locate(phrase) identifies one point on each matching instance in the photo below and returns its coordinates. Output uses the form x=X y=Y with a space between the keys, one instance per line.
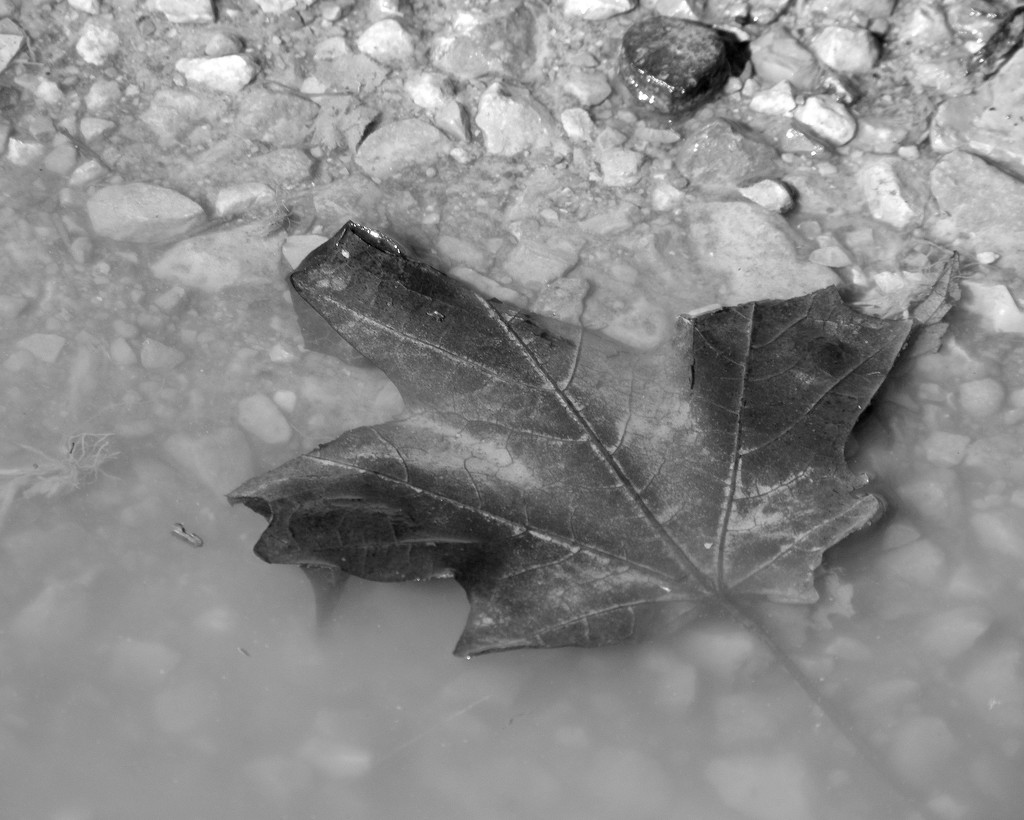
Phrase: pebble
x=92 y=128
x=778 y=57
x=984 y=208
x=227 y=75
x=97 y=42
x=849 y=50
x=429 y=90
x=12 y=39
x=762 y=787
x=236 y=200
x=673 y=65
x=185 y=11
x=222 y=44
x=121 y=353
x=24 y=153
x=221 y=259
x=86 y=174
x=387 y=42
x=513 y=122
x=945 y=449
x=61 y=160
x=401 y=144
x=535 y=261
x=276 y=7
x=221 y=460
x=752 y=252
x=46 y=347
x=777 y=100
x=770 y=194
x=588 y=87
x=85 y=6
x=597 y=9
x=830 y=256
x=981 y=399
x=102 y=95
x=620 y=167
x=721 y=153
x=827 y=118
x=577 y=124
x=155 y=355
x=665 y=196
x=888 y=198
x=987 y=122
x=562 y=299
x=140 y=212
x=260 y=417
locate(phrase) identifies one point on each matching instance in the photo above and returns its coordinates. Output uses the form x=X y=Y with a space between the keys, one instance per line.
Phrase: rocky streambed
x=166 y=164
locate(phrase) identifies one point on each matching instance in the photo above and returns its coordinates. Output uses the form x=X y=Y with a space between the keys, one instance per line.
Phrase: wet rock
x=155 y=355
x=236 y=200
x=93 y=128
x=46 y=347
x=284 y=166
x=401 y=144
x=102 y=95
x=777 y=100
x=777 y=56
x=139 y=212
x=597 y=9
x=185 y=11
x=276 y=7
x=228 y=75
x=61 y=159
x=665 y=196
x=260 y=417
x=945 y=449
x=752 y=252
x=673 y=65
x=221 y=460
x=762 y=787
x=98 y=42
x=512 y=121
x=173 y=113
x=562 y=300
x=770 y=194
x=850 y=50
x=222 y=259
x=983 y=208
x=85 y=6
x=12 y=39
x=274 y=118
x=889 y=196
x=827 y=118
x=987 y=122
x=387 y=42
x=879 y=135
x=335 y=68
x=497 y=42
x=722 y=153
x=429 y=90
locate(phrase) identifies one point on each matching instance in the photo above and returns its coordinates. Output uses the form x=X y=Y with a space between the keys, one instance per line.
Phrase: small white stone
x=945 y=449
x=885 y=194
x=121 y=353
x=102 y=95
x=186 y=11
x=24 y=153
x=987 y=257
x=387 y=42
x=139 y=212
x=260 y=417
x=158 y=356
x=665 y=196
x=849 y=50
x=828 y=119
x=588 y=87
x=831 y=256
x=44 y=346
x=620 y=167
x=11 y=41
x=276 y=7
x=98 y=42
x=513 y=122
x=92 y=128
x=87 y=173
x=48 y=92
x=597 y=9
x=85 y=6
x=223 y=45
x=286 y=400
x=235 y=200
x=777 y=100
x=577 y=125
x=228 y=74
x=770 y=194
x=981 y=398
x=996 y=305
x=61 y=160
x=428 y=90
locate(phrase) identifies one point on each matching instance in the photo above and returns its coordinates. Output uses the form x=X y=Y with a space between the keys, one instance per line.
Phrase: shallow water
x=142 y=676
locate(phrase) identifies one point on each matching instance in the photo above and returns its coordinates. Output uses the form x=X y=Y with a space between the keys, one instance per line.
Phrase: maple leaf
x=577 y=490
